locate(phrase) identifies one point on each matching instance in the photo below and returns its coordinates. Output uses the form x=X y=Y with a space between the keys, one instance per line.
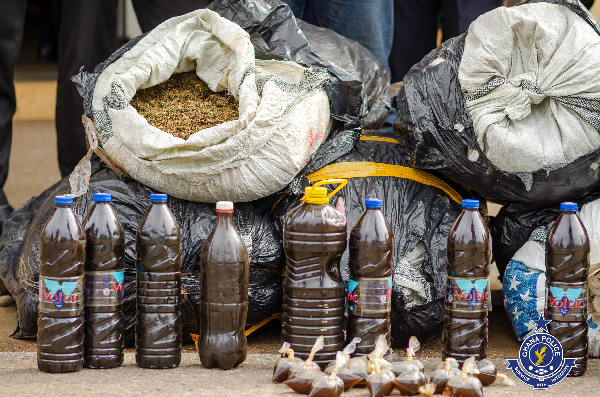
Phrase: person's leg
x=151 y=13
x=415 y=34
x=457 y=15
x=371 y=23
x=86 y=37
x=12 y=18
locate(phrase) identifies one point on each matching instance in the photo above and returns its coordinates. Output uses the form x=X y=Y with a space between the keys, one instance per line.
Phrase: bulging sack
x=511 y=108
x=283 y=113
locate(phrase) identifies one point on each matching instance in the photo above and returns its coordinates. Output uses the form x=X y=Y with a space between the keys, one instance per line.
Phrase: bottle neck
x=225 y=216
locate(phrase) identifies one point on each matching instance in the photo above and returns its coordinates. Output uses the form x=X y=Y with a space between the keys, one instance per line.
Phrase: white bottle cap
x=224 y=206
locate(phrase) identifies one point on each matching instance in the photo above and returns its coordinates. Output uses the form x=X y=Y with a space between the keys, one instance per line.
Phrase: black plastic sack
x=515 y=222
x=19 y=248
x=420 y=208
x=433 y=113
x=357 y=88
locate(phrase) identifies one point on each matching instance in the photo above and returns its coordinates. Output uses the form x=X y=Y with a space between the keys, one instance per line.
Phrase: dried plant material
x=184 y=105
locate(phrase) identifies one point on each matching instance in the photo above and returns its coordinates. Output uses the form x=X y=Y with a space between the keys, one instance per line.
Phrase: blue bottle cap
x=373 y=203
x=568 y=206
x=102 y=197
x=158 y=197
x=470 y=203
x=63 y=200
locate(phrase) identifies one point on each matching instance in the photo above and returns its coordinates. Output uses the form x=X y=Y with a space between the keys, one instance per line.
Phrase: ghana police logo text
x=541 y=363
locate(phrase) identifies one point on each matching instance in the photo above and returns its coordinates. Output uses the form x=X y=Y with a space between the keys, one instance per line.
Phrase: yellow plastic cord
x=263 y=322
x=378 y=139
x=365 y=169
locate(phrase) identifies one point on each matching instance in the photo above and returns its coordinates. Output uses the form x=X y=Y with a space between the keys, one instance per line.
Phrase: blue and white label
x=468 y=294
x=60 y=294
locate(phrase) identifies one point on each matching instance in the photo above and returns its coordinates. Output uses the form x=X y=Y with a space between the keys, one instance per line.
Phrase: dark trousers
x=12 y=17
x=416 y=24
x=370 y=22
x=86 y=37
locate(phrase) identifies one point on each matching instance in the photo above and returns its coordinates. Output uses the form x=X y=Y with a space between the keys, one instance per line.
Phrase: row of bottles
x=81 y=289
x=313 y=302
x=465 y=331
x=314 y=292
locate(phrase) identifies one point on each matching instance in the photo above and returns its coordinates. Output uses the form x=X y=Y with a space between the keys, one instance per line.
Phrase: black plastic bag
x=419 y=207
x=433 y=113
x=19 y=248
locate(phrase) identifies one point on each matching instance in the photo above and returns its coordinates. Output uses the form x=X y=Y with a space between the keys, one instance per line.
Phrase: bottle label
x=468 y=294
x=567 y=303
x=104 y=288
x=370 y=297
x=62 y=294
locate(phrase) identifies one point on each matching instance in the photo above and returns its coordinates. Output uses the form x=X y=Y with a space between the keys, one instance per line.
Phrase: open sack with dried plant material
x=293 y=92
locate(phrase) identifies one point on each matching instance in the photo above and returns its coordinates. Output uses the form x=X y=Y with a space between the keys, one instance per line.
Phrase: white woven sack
x=283 y=113
x=531 y=78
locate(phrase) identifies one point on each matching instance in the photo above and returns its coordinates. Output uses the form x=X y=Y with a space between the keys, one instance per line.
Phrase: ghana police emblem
x=541 y=361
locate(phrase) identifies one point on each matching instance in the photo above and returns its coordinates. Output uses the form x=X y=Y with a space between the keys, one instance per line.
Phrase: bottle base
x=102 y=361
x=222 y=360
x=578 y=370
x=158 y=362
x=58 y=367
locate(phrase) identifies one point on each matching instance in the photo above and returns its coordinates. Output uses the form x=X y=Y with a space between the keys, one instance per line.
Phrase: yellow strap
x=263 y=322
x=364 y=169
x=378 y=139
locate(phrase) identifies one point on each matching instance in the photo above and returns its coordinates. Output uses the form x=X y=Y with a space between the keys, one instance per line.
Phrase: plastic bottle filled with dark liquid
x=567 y=266
x=224 y=264
x=370 y=286
x=465 y=332
x=158 y=262
x=313 y=290
x=60 y=319
x=103 y=285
